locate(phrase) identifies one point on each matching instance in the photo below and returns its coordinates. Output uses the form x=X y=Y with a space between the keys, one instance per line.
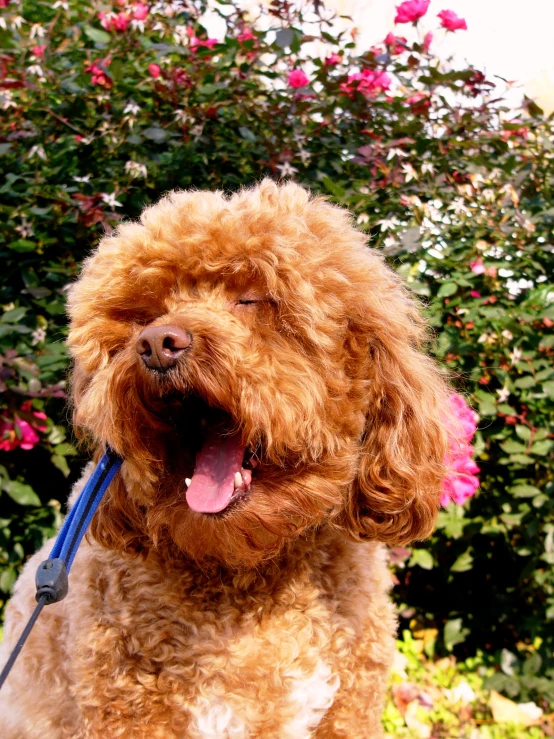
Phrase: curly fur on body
x=270 y=619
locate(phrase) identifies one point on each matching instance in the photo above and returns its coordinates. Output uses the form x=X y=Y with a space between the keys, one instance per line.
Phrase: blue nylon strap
x=80 y=516
x=51 y=577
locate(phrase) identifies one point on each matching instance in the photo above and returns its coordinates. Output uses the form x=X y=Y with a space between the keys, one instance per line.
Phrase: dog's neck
x=311 y=550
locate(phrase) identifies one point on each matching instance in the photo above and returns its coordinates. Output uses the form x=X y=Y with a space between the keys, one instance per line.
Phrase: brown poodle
x=260 y=371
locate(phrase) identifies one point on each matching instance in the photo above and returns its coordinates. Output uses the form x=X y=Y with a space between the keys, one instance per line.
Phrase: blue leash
x=52 y=575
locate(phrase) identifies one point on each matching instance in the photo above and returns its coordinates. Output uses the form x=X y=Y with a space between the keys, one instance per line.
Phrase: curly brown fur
x=270 y=618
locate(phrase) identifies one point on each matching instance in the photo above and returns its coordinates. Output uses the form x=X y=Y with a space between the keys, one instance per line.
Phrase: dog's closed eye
x=254 y=301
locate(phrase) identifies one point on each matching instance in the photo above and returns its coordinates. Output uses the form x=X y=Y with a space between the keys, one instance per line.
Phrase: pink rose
x=297 y=78
x=475 y=294
x=451 y=21
x=466 y=417
x=370 y=82
x=99 y=76
x=460 y=482
x=246 y=35
x=112 y=22
x=28 y=437
x=140 y=11
x=427 y=39
x=333 y=59
x=21 y=433
x=196 y=43
x=411 y=11
x=154 y=70
x=38 y=51
x=396 y=44
x=476 y=266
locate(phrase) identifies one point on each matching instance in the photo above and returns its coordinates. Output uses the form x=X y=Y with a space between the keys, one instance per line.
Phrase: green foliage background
x=453 y=189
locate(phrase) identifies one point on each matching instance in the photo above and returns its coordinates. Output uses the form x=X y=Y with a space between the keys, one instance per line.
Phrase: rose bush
x=102 y=116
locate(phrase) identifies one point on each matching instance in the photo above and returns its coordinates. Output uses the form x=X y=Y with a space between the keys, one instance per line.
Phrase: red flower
x=154 y=71
x=297 y=78
x=140 y=11
x=370 y=82
x=38 y=51
x=113 y=22
x=333 y=59
x=20 y=432
x=451 y=21
x=411 y=11
x=427 y=39
x=396 y=44
x=246 y=35
x=196 y=43
x=99 y=75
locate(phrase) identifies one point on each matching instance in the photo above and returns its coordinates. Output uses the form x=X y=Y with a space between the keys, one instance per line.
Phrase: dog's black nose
x=160 y=347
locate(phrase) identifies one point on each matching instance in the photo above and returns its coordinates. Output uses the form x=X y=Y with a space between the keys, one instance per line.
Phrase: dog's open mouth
x=219 y=476
x=223 y=468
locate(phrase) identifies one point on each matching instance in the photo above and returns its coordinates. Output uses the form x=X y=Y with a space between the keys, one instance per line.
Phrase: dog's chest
x=212 y=661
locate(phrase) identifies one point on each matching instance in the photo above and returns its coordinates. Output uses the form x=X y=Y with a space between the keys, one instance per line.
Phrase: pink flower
x=370 y=82
x=427 y=39
x=21 y=433
x=140 y=11
x=460 y=482
x=28 y=436
x=246 y=35
x=451 y=21
x=99 y=76
x=333 y=59
x=477 y=266
x=38 y=51
x=411 y=11
x=154 y=70
x=396 y=44
x=297 y=79
x=113 y=22
x=475 y=294
x=466 y=417
x=196 y=43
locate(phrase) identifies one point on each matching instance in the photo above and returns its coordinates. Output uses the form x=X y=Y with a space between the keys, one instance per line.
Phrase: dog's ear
x=395 y=494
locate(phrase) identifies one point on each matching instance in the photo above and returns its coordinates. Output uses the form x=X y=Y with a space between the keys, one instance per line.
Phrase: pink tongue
x=211 y=487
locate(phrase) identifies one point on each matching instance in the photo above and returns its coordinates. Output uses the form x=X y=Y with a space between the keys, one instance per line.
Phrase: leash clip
x=51 y=580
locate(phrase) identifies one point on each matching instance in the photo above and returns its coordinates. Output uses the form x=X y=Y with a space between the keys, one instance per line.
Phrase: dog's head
x=260 y=371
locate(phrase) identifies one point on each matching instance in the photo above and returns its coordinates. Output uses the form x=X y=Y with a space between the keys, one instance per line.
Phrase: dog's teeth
x=238 y=480
x=187 y=481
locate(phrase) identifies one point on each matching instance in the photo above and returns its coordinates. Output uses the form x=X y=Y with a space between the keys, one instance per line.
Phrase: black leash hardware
x=51 y=581
x=52 y=575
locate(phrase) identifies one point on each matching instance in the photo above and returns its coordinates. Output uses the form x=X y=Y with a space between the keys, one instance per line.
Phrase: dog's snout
x=160 y=347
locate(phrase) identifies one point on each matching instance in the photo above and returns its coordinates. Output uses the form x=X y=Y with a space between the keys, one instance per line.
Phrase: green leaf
x=454 y=633
x=421 y=558
x=155 y=133
x=446 y=289
x=525 y=382
x=332 y=187
x=513 y=447
x=7 y=580
x=65 y=450
x=13 y=316
x=61 y=463
x=21 y=493
x=22 y=245
x=247 y=134
x=524 y=432
x=524 y=491
x=97 y=35
x=541 y=447
x=548 y=388
x=463 y=563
